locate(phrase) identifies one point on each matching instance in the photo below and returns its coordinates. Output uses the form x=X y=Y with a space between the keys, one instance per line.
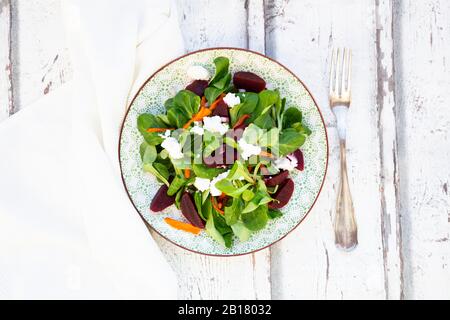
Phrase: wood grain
x=307 y=264
x=422 y=55
x=387 y=138
x=6 y=90
x=39 y=56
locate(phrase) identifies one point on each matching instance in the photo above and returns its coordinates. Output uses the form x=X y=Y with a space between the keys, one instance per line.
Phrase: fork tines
x=340 y=77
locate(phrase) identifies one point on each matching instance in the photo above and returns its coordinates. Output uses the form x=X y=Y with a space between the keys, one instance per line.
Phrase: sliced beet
x=264 y=171
x=230 y=156
x=221 y=110
x=224 y=155
x=237 y=132
x=277 y=179
x=283 y=195
x=161 y=200
x=198 y=87
x=298 y=154
x=249 y=81
x=190 y=212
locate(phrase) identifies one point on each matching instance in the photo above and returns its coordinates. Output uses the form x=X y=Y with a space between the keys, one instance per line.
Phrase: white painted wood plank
x=6 y=104
x=256 y=35
x=39 y=56
x=387 y=135
x=213 y=23
x=307 y=264
x=423 y=78
x=204 y=277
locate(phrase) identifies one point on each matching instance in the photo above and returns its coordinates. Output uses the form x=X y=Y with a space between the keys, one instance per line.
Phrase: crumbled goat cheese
x=231 y=99
x=202 y=184
x=198 y=73
x=198 y=130
x=214 y=124
x=165 y=135
x=287 y=163
x=212 y=187
x=248 y=149
x=173 y=147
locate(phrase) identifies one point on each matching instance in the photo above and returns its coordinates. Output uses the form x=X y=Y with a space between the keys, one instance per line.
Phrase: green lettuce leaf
x=241 y=231
x=290 y=140
x=227 y=187
x=146 y=121
x=219 y=230
x=232 y=212
x=206 y=172
x=257 y=219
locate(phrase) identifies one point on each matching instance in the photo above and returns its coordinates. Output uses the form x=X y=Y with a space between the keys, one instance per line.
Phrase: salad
x=223 y=151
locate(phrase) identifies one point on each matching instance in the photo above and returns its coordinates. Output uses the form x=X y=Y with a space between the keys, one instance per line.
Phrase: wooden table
x=398 y=138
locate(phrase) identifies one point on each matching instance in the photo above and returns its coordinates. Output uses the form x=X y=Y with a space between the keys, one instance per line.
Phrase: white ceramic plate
x=164 y=84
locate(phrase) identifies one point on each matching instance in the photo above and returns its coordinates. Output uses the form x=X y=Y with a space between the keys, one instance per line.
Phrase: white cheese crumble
x=212 y=187
x=197 y=73
x=173 y=147
x=198 y=130
x=214 y=124
x=202 y=184
x=231 y=99
x=286 y=163
x=165 y=135
x=248 y=150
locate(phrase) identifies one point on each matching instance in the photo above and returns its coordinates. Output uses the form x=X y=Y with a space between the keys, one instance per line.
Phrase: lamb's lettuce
x=239 y=171
x=158 y=170
x=241 y=231
x=148 y=153
x=203 y=171
x=290 y=116
x=274 y=213
x=177 y=183
x=233 y=211
x=257 y=219
x=217 y=228
x=146 y=121
x=221 y=82
x=230 y=189
x=249 y=101
x=181 y=108
x=290 y=140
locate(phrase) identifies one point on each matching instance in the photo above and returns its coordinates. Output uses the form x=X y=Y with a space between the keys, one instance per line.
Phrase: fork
x=345 y=229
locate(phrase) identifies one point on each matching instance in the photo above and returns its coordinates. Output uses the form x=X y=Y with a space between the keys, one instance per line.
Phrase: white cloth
x=67 y=227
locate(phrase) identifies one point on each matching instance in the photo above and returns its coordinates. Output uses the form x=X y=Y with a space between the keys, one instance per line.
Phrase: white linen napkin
x=67 y=228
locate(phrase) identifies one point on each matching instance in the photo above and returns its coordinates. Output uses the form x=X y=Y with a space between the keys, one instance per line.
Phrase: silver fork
x=345 y=229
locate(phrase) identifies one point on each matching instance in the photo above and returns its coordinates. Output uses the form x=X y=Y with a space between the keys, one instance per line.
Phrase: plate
x=165 y=83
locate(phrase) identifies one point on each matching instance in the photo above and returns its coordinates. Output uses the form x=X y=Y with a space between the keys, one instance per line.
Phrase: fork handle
x=345 y=229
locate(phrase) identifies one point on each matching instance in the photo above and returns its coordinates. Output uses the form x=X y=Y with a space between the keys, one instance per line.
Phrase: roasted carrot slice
x=182 y=226
x=187 y=124
x=215 y=206
x=203 y=102
x=216 y=102
x=266 y=154
x=203 y=112
x=241 y=120
x=159 y=129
